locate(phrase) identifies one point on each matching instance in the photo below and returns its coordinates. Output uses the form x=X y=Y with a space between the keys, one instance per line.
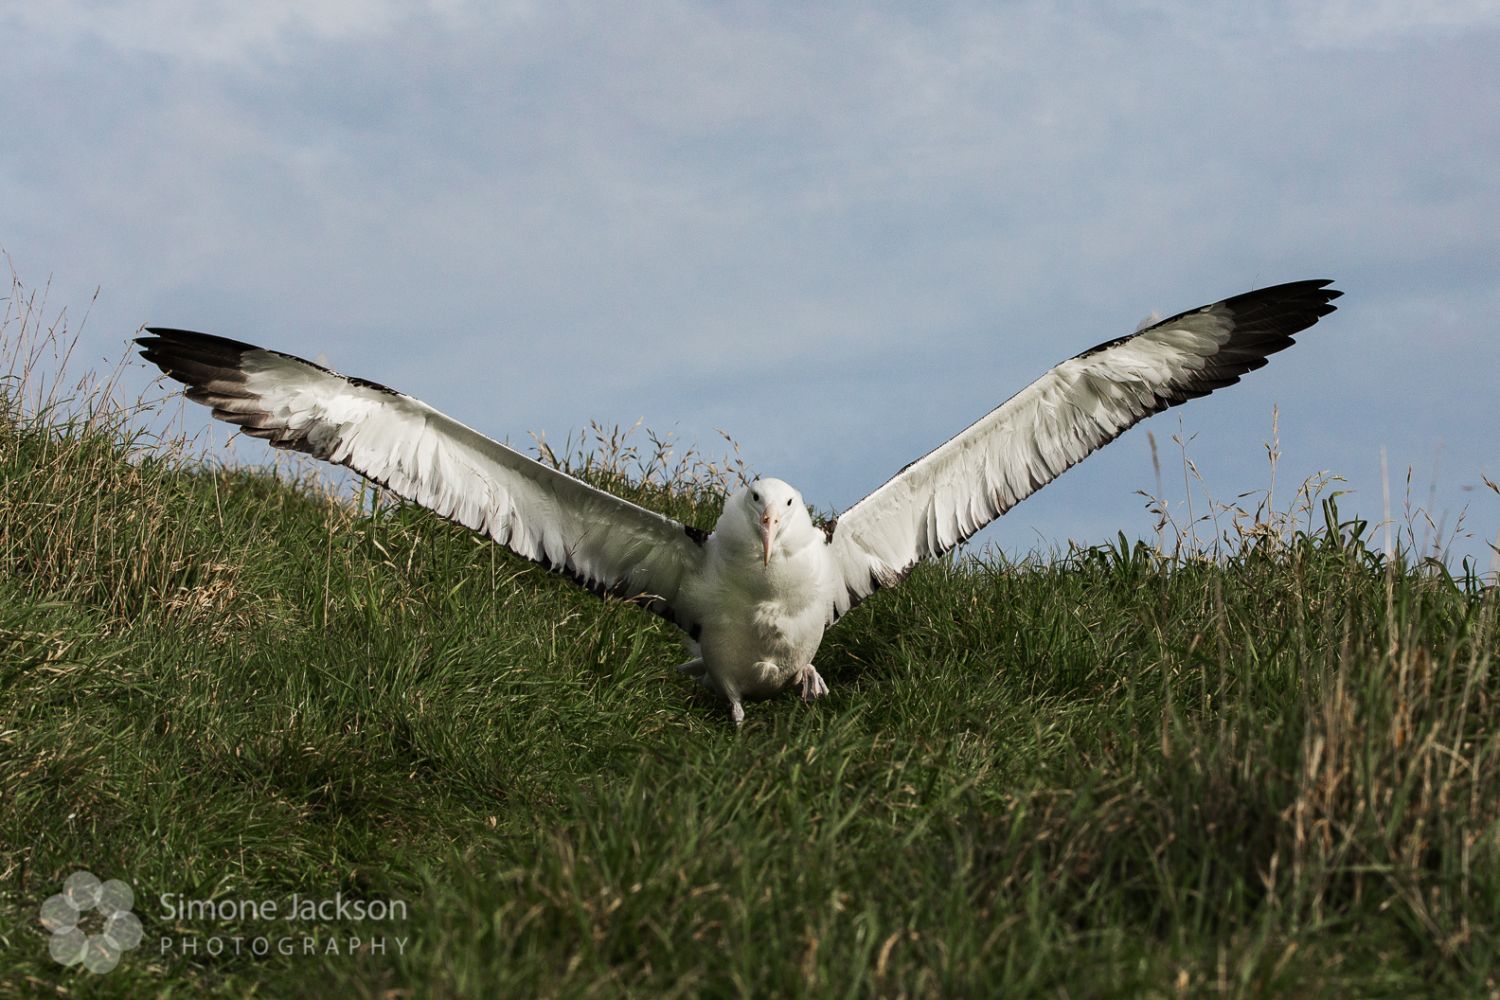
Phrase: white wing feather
x=607 y=544
x=1076 y=408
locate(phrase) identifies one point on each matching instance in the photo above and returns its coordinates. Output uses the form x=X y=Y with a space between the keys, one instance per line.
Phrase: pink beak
x=769 y=522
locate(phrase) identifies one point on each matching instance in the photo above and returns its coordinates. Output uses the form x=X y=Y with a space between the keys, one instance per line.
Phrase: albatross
x=754 y=596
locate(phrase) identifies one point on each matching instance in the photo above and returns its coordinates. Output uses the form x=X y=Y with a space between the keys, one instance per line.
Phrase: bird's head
x=775 y=511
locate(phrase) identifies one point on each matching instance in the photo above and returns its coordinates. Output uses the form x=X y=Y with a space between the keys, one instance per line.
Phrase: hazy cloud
x=838 y=231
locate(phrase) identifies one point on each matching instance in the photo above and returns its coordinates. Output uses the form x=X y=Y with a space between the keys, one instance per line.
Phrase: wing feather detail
x=606 y=544
x=1075 y=409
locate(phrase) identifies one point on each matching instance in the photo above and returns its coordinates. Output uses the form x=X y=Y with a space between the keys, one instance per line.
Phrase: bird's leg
x=812 y=683
x=736 y=710
x=729 y=694
x=696 y=668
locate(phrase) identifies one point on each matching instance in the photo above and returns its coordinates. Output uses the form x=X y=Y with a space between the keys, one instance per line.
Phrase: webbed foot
x=812 y=683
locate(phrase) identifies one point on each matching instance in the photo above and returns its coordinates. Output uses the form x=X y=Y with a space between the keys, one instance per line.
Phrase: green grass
x=1107 y=772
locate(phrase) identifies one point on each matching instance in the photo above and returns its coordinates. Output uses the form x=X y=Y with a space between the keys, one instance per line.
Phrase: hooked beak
x=769 y=522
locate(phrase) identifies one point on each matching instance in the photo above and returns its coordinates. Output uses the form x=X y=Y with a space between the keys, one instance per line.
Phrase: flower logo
x=71 y=944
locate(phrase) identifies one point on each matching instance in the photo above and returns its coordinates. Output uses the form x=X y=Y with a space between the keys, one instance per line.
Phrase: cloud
x=228 y=34
x=1384 y=24
x=850 y=224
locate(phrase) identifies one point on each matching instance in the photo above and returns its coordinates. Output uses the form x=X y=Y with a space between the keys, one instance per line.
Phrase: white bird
x=756 y=595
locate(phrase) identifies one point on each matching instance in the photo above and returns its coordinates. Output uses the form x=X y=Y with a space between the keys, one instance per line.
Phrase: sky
x=838 y=232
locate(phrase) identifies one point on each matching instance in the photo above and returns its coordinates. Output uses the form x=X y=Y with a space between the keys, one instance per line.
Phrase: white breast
x=762 y=624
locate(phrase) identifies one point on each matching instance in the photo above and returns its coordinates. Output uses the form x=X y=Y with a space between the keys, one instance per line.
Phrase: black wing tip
x=167 y=336
x=172 y=346
x=1320 y=287
x=1311 y=289
x=199 y=361
x=194 y=358
x=1285 y=309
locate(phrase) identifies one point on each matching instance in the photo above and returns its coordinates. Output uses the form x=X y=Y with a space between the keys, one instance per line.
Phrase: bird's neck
x=790 y=571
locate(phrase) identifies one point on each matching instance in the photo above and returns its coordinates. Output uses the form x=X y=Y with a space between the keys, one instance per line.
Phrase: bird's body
x=763 y=609
x=755 y=596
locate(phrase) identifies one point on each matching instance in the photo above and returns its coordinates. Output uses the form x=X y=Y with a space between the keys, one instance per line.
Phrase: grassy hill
x=1114 y=771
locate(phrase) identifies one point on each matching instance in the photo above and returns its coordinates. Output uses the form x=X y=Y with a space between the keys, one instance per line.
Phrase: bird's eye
x=788 y=501
x=755 y=496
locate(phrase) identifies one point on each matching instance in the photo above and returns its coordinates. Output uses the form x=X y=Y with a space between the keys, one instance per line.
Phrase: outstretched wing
x=1076 y=408
x=606 y=544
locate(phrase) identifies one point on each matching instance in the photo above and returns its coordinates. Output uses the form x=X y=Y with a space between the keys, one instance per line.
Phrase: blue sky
x=839 y=232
